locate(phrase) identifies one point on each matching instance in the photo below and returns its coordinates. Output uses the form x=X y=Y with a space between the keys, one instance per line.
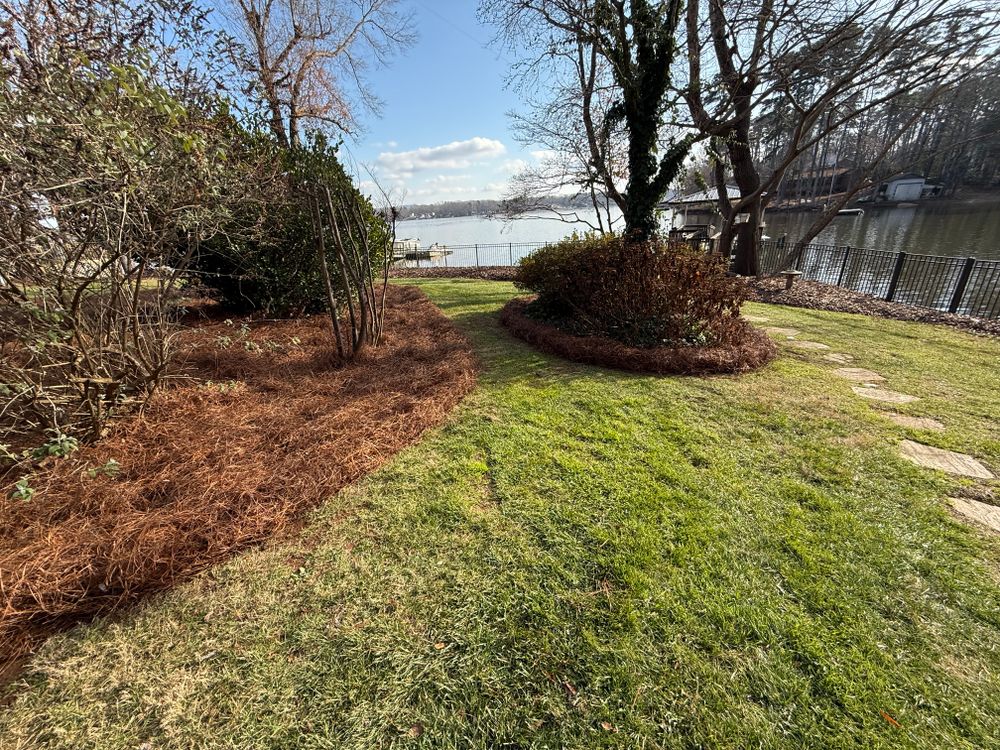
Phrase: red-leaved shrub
x=647 y=294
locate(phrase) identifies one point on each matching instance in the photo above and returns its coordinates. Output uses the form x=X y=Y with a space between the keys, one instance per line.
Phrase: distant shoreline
x=970 y=198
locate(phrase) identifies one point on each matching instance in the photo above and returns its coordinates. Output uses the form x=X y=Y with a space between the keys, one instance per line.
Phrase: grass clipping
x=269 y=428
x=745 y=348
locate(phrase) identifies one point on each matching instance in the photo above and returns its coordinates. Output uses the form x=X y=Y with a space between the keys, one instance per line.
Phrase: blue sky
x=444 y=134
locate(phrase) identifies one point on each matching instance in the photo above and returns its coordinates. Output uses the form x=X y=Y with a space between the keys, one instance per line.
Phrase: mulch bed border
x=753 y=350
x=813 y=295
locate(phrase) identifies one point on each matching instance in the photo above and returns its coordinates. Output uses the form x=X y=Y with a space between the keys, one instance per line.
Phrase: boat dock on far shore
x=409 y=249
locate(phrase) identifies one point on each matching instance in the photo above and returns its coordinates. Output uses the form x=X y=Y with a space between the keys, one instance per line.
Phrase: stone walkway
x=812 y=345
x=790 y=334
x=949 y=461
x=786 y=332
x=858 y=375
x=883 y=395
x=926 y=456
x=981 y=513
x=840 y=359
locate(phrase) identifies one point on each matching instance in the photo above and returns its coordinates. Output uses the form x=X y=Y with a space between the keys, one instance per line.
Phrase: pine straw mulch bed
x=808 y=294
x=816 y=296
x=485 y=273
x=748 y=348
x=221 y=462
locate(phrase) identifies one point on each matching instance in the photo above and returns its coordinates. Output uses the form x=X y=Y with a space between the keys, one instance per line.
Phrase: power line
x=451 y=23
x=479 y=43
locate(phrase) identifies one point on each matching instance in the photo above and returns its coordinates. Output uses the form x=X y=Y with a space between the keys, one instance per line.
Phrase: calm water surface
x=470 y=230
x=955 y=230
x=952 y=230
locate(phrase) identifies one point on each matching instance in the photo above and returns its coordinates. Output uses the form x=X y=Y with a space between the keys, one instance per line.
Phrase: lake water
x=952 y=230
x=470 y=230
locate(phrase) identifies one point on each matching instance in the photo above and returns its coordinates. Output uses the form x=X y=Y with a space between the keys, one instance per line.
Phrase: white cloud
x=544 y=154
x=445 y=179
x=440 y=193
x=513 y=166
x=455 y=155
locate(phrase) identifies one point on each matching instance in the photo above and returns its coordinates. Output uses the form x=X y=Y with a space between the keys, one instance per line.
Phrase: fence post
x=843 y=266
x=510 y=252
x=798 y=257
x=897 y=271
x=963 y=283
x=477 y=255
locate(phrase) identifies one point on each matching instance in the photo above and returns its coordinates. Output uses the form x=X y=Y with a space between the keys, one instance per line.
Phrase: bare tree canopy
x=307 y=59
x=820 y=66
x=606 y=68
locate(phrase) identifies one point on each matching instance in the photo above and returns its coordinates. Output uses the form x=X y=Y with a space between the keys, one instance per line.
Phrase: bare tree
x=826 y=65
x=307 y=59
x=612 y=99
x=568 y=94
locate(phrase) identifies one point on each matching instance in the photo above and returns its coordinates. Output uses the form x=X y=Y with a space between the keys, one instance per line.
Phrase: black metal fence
x=464 y=256
x=961 y=285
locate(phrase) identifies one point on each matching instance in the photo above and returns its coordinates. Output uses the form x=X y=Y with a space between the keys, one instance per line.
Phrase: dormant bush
x=654 y=293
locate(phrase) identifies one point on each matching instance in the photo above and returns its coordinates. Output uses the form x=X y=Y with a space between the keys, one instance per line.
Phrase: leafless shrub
x=362 y=260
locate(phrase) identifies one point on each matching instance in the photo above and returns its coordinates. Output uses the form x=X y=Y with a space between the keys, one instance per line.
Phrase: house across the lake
x=696 y=216
x=699 y=207
x=819 y=182
x=906 y=188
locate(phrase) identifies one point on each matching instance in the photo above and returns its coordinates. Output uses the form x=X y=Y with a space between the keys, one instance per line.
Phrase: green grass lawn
x=586 y=558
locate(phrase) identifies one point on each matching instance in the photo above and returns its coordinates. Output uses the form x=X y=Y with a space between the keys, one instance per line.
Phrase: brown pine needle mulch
x=484 y=273
x=813 y=295
x=746 y=348
x=268 y=429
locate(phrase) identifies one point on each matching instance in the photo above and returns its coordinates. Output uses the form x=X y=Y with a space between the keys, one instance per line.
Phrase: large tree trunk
x=748 y=181
x=643 y=72
x=641 y=202
x=641 y=198
x=748 y=240
x=724 y=244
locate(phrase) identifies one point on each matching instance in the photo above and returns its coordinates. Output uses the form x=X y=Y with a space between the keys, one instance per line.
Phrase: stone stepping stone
x=881 y=394
x=840 y=359
x=858 y=375
x=915 y=423
x=810 y=345
x=973 y=510
x=788 y=332
x=942 y=460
